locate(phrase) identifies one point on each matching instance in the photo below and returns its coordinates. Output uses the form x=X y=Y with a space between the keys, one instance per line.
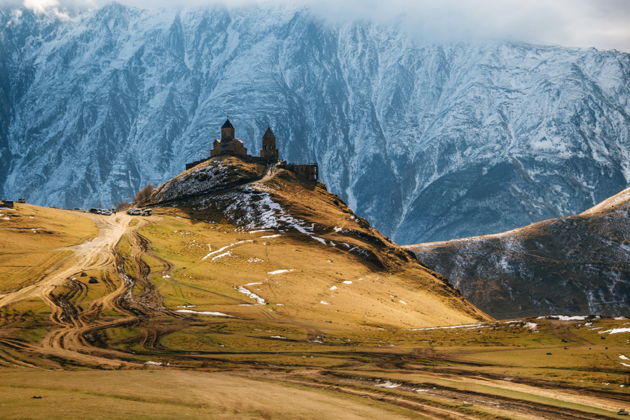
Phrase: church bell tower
x=227 y=132
x=269 y=151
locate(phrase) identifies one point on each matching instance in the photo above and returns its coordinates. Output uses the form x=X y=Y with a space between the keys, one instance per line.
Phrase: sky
x=603 y=24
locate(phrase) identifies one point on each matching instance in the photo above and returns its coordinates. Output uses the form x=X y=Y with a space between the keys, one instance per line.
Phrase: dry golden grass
x=35 y=239
x=312 y=291
x=168 y=394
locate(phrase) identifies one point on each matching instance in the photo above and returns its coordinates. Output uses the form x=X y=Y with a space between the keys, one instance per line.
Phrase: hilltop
x=570 y=265
x=329 y=260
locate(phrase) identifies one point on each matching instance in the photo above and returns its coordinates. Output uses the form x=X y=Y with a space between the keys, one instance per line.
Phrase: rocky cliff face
x=429 y=142
x=572 y=265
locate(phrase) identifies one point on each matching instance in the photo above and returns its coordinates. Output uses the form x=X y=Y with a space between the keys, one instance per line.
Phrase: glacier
x=427 y=141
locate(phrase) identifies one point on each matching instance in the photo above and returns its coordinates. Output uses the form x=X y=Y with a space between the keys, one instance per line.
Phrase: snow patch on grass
x=616 y=331
x=318 y=239
x=227 y=247
x=254 y=208
x=188 y=311
x=565 y=317
x=251 y=295
x=389 y=385
x=276 y=272
x=468 y=326
x=225 y=254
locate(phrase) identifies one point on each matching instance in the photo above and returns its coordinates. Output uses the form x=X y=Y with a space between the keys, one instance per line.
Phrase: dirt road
x=93 y=254
x=60 y=287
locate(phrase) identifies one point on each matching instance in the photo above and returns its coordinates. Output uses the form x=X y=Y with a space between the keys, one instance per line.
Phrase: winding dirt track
x=59 y=288
x=94 y=254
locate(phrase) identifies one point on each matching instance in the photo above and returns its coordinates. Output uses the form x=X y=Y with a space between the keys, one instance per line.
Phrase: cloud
x=580 y=23
x=39 y=6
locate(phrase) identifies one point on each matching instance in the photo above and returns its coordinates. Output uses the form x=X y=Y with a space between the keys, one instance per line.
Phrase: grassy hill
x=297 y=247
x=250 y=293
x=571 y=265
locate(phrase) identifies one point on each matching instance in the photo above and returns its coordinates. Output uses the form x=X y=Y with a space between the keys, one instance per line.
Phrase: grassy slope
x=34 y=239
x=405 y=296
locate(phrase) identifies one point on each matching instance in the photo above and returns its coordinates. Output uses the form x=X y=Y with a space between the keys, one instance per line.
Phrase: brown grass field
x=163 y=330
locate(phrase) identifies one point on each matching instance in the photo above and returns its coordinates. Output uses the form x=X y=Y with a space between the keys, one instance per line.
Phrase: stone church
x=228 y=144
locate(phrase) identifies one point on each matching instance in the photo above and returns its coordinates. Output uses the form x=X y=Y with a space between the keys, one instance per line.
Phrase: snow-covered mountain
x=428 y=142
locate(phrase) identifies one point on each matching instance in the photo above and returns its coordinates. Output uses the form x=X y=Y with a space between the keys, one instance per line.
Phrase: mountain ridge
x=573 y=265
x=428 y=142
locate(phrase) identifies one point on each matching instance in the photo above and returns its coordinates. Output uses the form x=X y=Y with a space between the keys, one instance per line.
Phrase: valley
x=185 y=314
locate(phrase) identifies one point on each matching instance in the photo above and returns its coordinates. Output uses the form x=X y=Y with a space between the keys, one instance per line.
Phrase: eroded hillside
x=573 y=265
